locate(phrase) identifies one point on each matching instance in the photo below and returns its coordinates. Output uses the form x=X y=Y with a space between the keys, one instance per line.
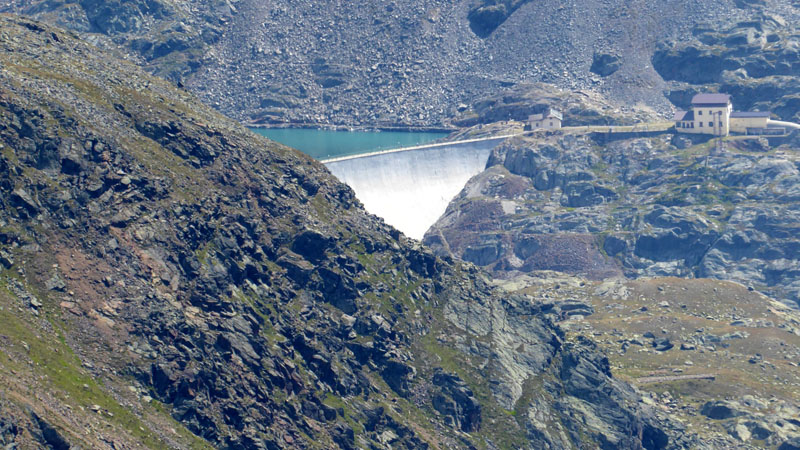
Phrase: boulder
x=55 y=283
x=721 y=410
x=485 y=19
x=398 y=376
x=605 y=64
x=6 y=259
x=662 y=344
x=297 y=268
x=456 y=401
x=482 y=255
x=614 y=245
x=791 y=444
x=311 y=244
x=25 y=202
x=49 y=435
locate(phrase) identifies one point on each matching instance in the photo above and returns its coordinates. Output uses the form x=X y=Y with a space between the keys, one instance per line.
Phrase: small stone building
x=548 y=120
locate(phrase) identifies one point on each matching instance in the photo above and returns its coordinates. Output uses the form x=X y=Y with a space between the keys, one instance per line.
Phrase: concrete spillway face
x=411 y=189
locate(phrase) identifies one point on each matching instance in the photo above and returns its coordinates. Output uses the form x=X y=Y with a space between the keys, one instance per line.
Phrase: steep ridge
x=390 y=63
x=169 y=279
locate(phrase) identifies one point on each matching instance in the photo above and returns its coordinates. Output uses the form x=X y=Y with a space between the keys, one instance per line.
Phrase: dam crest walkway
x=421 y=147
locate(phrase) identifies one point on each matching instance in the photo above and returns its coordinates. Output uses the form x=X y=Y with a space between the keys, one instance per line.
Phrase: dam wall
x=411 y=188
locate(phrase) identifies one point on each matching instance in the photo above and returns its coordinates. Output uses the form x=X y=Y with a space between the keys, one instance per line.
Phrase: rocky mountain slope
x=391 y=63
x=756 y=60
x=169 y=279
x=720 y=358
x=168 y=37
x=579 y=108
x=661 y=205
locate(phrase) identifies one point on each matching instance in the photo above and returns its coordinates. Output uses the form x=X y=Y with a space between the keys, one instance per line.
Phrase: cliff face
x=756 y=61
x=656 y=206
x=400 y=63
x=169 y=279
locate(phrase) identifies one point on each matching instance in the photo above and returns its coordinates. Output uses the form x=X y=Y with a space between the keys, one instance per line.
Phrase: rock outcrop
x=521 y=101
x=602 y=207
x=756 y=61
x=733 y=379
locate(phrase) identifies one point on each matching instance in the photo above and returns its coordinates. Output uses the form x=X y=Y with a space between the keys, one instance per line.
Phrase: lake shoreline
x=323 y=144
x=333 y=127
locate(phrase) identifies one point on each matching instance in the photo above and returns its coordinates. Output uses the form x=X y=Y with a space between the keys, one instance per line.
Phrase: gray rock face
x=637 y=206
x=604 y=64
x=519 y=350
x=457 y=401
x=756 y=61
x=385 y=63
x=8 y=429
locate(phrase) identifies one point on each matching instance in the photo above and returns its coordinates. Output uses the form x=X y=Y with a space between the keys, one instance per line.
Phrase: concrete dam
x=410 y=188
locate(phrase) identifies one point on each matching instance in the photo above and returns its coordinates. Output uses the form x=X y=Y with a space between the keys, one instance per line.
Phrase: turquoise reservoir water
x=325 y=144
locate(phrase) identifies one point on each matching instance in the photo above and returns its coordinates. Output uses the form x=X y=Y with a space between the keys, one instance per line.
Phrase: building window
x=720 y=124
x=699 y=113
x=711 y=124
x=699 y=124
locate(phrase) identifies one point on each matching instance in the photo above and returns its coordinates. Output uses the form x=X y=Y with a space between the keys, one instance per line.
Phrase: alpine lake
x=326 y=144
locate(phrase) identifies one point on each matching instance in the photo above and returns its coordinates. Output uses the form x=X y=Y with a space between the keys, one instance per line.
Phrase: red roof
x=711 y=99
